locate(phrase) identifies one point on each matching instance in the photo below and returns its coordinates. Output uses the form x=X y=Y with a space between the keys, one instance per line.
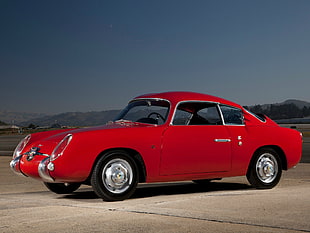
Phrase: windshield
x=147 y=111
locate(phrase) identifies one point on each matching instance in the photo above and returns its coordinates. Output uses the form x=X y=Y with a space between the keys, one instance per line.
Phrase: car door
x=240 y=141
x=196 y=141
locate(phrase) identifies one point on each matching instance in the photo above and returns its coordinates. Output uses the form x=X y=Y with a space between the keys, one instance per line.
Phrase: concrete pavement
x=230 y=205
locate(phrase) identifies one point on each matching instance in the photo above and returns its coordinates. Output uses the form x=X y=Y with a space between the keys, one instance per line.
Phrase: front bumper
x=44 y=171
x=41 y=171
x=15 y=166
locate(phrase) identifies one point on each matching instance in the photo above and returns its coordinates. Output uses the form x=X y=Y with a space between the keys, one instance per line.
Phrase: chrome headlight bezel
x=61 y=147
x=21 y=145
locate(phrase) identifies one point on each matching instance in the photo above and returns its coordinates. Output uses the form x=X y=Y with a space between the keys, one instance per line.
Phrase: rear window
x=259 y=116
x=231 y=115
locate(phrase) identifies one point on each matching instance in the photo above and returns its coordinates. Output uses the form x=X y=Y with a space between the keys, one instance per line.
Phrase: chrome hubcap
x=267 y=168
x=117 y=176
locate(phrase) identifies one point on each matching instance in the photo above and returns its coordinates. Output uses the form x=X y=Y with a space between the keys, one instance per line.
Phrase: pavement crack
x=212 y=220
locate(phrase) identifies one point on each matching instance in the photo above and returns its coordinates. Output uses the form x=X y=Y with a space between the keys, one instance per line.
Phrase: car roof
x=175 y=97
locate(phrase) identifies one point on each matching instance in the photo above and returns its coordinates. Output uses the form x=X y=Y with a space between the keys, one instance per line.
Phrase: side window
x=232 y=116
x=210 y=114
x=197 y=113
x=181 y=117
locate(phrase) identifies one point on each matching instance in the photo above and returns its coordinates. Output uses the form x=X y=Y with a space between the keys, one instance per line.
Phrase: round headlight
x=60 y=148
x=21 y=145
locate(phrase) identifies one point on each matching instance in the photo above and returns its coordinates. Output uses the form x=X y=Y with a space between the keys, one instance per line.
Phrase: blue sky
x=59 y=56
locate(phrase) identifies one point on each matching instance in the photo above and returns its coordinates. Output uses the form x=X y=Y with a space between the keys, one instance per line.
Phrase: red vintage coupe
x=172 y=136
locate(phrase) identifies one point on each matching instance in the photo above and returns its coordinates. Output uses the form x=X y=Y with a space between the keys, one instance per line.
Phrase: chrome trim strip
x=224 y=122
x=222 y=140
x=43 y=171
x=156 y=99
x=221 y=114
x=193 y=101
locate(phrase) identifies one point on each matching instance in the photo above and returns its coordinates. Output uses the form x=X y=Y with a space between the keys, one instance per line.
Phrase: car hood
x=111 y=126
x=50 y=139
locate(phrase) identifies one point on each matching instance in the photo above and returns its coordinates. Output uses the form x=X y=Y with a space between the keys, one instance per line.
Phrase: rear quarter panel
x=288 y=140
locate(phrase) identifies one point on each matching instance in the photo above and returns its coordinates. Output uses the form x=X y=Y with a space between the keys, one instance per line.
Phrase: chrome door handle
x=222 y=140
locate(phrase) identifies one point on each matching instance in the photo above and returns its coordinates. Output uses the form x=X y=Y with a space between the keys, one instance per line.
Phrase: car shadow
x=81 y=195
x=160 y=189
x=187 y=188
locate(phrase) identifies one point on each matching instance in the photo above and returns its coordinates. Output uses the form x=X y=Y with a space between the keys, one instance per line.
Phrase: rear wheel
x=115 y=176
x=62 y=188
x=265 y=169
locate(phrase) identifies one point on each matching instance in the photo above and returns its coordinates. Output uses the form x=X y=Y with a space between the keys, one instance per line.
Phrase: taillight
x=60 y=148
x=21 y=145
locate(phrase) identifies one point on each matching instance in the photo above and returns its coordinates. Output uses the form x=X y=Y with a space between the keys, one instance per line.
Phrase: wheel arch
x=277 y=149
x=135 y=155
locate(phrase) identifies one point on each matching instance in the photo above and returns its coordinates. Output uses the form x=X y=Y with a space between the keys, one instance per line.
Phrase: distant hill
x=300 y=104
x=74 y=119
x=17 y=117
x=2 y=123
x=288 y=109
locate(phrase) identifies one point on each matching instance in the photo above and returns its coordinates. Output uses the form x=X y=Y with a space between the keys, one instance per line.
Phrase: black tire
x=265 y=169
x=115 y=176
x=62 y=188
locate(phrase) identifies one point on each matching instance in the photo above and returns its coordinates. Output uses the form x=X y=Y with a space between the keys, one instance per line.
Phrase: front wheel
x=62 y=188
x=115 y=176
x=265 y=169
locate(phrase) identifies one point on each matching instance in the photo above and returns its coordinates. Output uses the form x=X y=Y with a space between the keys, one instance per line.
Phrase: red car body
x=158 y=148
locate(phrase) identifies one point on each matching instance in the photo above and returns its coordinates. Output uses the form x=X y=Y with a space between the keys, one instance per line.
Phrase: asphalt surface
x=230 y=205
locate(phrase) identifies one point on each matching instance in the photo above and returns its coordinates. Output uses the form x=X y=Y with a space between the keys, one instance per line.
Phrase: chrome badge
x=33 y=151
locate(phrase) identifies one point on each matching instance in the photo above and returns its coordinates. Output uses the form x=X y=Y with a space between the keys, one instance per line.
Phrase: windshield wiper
x=122 y=121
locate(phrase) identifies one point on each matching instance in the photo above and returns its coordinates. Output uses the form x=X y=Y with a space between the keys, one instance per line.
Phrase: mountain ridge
x=75 y=119
x=91 y=118
x=289 y=109
x=299 y=103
